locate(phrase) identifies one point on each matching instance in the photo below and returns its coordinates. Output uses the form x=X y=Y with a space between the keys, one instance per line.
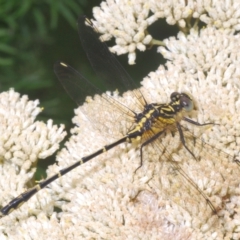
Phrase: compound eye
x=186 y=102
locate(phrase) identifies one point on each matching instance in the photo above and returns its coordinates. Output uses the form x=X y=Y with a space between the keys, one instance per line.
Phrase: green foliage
x=33 y=35
x=22 y=18
x=30 y=36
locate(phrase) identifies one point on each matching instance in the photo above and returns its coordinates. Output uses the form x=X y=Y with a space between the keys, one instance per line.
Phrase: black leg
x=197 y=123
x=153 y=138
x=182 y=139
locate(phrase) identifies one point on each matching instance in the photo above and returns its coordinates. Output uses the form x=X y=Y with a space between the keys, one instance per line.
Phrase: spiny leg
x=153 y=138
x=197 y=123
x=182 y=139
x=237 y=161
x=178 y=169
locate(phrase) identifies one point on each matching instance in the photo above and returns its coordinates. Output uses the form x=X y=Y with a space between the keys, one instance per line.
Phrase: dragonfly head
x=181 y=101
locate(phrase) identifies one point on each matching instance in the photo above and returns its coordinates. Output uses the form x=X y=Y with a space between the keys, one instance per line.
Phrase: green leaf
x=40 y=22
x=6 y=61
x=7 y=49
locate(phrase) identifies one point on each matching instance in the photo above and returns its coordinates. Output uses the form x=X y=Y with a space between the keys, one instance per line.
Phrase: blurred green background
x=35 y=34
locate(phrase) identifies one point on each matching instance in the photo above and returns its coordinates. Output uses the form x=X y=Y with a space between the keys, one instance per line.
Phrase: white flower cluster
x=128 y=21
x=105 y=198
x=23 y=141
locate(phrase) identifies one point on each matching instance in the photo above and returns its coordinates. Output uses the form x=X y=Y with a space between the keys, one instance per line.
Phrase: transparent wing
x=112 y=74
x=77 y=87
x=211 y=175
x=75 y=84
x=106 y=66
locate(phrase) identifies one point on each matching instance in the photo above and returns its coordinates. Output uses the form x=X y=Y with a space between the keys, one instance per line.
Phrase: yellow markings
x=12 y=209
x=38 y=187
x=136 y=129
x=81 y=161
x=167 y=121
x=19 y=205
x=63 y=64
x=171 y=108
x=167 y=109
x=104 y=149
x=176 y=103
x=59 y=174
x=137 y=139
x=149 y=114
x=88 y=22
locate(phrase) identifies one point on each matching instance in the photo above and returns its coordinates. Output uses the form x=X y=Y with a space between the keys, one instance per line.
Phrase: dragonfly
x=148 y=126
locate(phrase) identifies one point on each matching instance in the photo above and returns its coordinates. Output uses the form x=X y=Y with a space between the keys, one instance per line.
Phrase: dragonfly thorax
x=157 y=117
